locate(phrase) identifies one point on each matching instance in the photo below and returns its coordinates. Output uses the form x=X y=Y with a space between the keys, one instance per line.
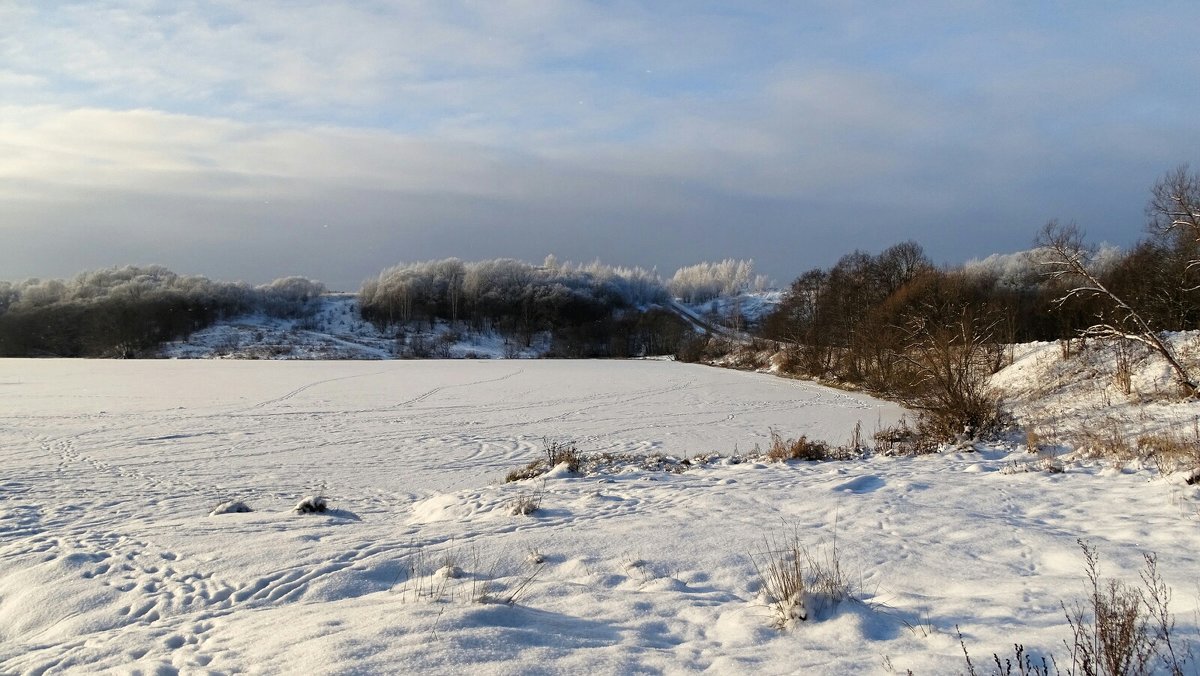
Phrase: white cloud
x=571 y=116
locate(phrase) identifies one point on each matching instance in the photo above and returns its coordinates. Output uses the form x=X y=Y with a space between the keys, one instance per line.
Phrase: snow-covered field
x=110 y=561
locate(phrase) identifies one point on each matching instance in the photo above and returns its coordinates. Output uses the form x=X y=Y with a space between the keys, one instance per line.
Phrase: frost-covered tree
x=289 y=296
x=515 y=297
x=124 y=311
x=707 y=281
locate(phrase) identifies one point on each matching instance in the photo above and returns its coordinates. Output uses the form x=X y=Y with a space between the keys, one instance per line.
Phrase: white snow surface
x=738 y=312
x=335 y=331
x=111 y=562
x=1078 y=402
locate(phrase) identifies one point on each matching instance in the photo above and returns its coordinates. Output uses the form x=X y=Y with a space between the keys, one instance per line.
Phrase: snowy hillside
x=337 y=331
x=334 y=332
x=112 y=560
x=1103 y=398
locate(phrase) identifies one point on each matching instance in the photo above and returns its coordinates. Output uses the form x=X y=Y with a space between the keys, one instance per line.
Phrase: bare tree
x=947 y=355
x=1068 y=260
x=1175 y=204
x=1174 y=212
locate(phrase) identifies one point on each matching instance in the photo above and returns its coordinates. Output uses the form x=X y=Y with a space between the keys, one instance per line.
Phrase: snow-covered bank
x=1102 y=395
x=111 y=562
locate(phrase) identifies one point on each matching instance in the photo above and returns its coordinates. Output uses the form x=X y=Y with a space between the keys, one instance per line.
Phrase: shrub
x=692 y=349
x=1121 y=629
x=796 y=449
x=973 y=415
x=1117 y=630
x=558 y=453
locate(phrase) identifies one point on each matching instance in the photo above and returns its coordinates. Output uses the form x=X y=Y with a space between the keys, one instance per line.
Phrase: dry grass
x=558 y=453
x=555 y=454
x=780 y=568
x=528 y=503
x=1116 y=630
x=799 y=584
x=441 y=578
x=1121 y=629
x=901 y=440
x=1106 y=440
x=1172 y=451
x=313 y=504
x=803 y=448
x=1024 y=663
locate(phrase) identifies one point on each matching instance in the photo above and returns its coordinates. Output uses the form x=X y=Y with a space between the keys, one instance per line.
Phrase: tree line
x=588 y=310
x=128 y=311
x=898 y=325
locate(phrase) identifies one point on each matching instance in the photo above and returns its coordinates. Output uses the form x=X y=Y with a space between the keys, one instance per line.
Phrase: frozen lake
x=109 y=560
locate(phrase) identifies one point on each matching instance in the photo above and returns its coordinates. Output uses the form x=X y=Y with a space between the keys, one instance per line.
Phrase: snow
x=337 y=331
x=112 y=561
x=732 y=314
x=1079 y=401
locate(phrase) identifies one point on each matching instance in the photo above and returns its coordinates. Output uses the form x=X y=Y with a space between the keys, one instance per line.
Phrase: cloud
x=642 y=132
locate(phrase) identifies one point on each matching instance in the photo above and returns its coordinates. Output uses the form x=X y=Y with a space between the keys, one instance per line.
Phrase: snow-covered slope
x=337 y=331
x=1102 y=396
x=110 y=561
x=732 y=315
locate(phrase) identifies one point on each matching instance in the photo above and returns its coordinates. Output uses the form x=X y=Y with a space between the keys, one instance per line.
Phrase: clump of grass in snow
x=231 y=507
x=429 y=579
x=1045 y=462
x=556 y=453
x=451 y=576
x=782 y=450
x=798 y=584
x=490 y=590
x=528 y=503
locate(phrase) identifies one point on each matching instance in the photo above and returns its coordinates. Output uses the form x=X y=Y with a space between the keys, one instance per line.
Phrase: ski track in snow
x=110 y=561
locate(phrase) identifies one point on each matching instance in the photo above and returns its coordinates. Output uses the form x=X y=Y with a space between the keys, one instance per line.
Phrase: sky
x=253 y=140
